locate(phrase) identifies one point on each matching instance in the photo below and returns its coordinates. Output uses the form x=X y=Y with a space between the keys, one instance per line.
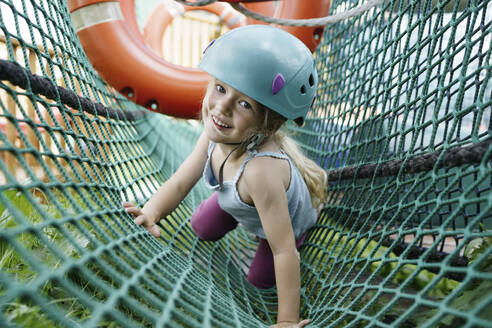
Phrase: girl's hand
x=301 y=324
x=140 y=218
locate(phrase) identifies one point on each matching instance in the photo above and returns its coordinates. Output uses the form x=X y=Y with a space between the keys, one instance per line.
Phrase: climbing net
x=402 y=124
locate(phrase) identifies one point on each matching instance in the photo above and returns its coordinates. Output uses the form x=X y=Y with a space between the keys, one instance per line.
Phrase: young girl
x=262 y=76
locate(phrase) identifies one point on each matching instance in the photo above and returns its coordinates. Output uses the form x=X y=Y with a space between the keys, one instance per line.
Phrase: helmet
x=268 y=65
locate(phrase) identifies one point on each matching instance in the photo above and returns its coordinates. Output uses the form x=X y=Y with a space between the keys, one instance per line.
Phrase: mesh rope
x=410 y=248
x=366 y=6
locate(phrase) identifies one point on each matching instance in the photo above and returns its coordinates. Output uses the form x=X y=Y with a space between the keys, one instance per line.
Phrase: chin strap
x=221 y=169
x=251 y=144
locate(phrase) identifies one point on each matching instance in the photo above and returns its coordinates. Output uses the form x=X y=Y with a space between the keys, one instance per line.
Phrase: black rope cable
x=471 y=154
x=23 y=78
x=434 y=257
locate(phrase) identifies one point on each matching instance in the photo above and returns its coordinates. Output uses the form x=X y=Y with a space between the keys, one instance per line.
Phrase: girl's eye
x=245 y=104
x=220 y=88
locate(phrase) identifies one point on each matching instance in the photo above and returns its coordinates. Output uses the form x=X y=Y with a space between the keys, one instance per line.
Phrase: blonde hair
x=314 y=176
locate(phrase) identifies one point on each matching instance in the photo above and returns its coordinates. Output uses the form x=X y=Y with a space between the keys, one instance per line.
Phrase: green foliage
x=28 y=316
x=476 y=291
x=23 y=312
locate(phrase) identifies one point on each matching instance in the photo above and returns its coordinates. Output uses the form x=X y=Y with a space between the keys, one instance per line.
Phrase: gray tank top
x=302 y=214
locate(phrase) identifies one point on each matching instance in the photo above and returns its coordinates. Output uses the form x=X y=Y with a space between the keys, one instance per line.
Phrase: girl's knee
x=210 y=222
x=261 y=273
x=261 y=280
x=205 y=231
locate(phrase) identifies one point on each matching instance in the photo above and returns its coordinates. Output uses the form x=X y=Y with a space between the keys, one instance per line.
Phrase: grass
x=24 y=311
x=360 y=278
x=44 y=248
x=375 y=264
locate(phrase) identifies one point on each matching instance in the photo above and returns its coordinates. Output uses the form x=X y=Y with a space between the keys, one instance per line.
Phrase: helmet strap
x=221 y=169
x=250 y=143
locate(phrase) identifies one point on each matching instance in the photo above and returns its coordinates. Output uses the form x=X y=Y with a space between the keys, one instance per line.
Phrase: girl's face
x=230 y=115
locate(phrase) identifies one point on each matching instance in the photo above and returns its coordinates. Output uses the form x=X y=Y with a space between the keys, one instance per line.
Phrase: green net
x=402 y=124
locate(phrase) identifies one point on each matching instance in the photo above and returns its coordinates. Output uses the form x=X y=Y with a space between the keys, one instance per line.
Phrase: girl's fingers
x=139 y=220
x=136 y=211
x=154 y=230
x=127 y=204
x=304 y=323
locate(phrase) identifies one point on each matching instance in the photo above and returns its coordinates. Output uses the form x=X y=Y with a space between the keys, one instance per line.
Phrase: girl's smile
x=228 y=115
x=219 y=123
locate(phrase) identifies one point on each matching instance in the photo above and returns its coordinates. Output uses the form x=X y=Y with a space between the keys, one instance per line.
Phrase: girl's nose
x=224 y=106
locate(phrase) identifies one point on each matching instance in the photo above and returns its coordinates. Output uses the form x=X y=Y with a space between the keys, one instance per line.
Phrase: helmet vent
x=311 y=80
x=303 y=89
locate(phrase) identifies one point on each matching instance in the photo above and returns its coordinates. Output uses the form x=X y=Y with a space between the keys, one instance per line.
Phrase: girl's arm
x=174 y=190
x=265 y=186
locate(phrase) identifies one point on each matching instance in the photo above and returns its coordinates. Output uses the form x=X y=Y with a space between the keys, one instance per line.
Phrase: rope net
x=405 y=246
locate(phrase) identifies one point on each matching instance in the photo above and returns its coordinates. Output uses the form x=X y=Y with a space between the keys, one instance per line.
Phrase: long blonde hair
x=314 y=176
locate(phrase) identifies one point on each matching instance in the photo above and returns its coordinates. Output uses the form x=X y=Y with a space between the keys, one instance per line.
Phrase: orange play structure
x=161 y=18
x=129 y=62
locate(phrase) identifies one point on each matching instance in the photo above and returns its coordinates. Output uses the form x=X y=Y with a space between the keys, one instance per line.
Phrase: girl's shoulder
x=260 y=169
x=269 y=157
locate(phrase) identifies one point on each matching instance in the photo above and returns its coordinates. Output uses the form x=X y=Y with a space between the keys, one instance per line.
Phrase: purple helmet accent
x=211 y=42
x=278 y=83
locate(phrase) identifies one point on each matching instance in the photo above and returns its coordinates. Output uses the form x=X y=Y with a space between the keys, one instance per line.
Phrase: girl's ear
x=273 y=121
x=275 y=124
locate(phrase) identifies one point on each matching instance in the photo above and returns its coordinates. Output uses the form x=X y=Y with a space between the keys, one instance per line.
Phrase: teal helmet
x=268 y=65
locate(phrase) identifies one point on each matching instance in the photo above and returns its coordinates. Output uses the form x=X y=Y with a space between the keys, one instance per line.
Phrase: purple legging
x=211 y=223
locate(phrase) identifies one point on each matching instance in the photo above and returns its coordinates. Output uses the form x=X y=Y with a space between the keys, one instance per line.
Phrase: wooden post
x=31 y=136
x=49 y=121
x=10 y=129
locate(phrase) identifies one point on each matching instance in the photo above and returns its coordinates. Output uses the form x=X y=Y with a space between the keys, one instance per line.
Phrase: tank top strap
x=211 y=146
x=280 y=155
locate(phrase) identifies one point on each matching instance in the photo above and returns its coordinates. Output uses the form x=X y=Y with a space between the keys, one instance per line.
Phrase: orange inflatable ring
x=114 y=46
x=162 y=16
x=292 y=9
